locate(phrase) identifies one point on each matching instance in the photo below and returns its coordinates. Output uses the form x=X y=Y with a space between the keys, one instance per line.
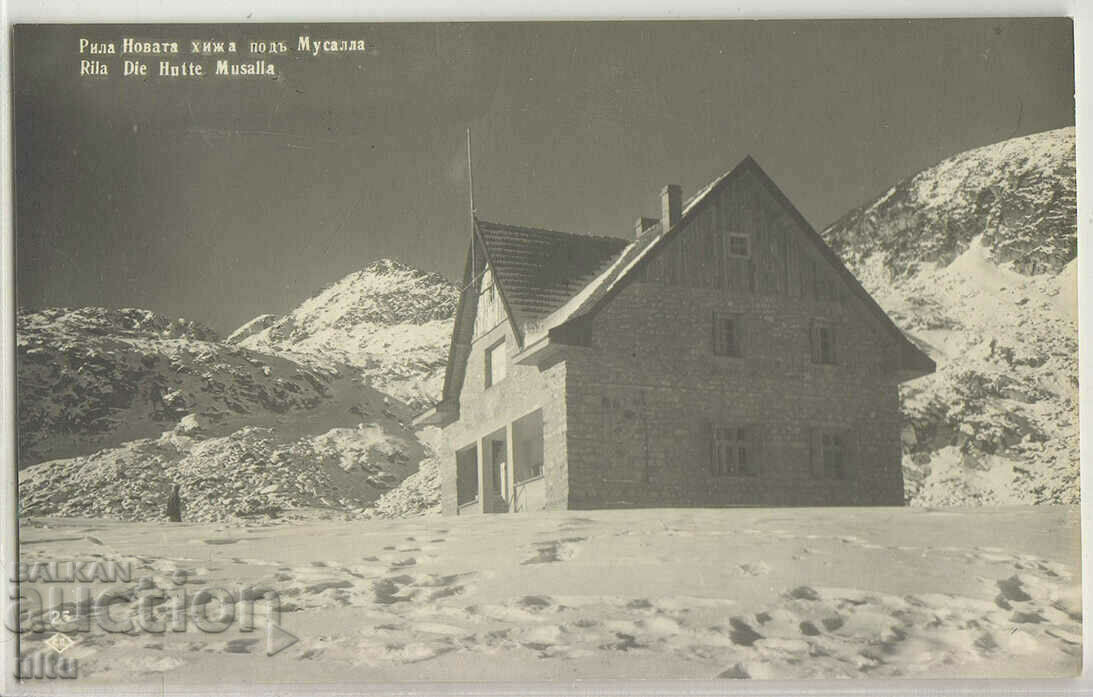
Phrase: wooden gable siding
x=491 y=311
x=782 y=260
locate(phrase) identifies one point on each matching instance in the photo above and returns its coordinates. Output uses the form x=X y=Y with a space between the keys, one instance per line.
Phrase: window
x=823 y=342
x=831 y=454
x=733 y=453
x=496 y=363
x=834 y=454
x=739 y=245
x=727 y=335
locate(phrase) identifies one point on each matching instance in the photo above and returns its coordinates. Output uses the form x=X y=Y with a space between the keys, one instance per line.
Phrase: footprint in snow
x=554 y=551
x=240 y=645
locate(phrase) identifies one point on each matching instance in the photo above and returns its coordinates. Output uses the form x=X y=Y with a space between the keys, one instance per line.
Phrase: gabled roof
x=539 y=270
x=554 y=283
x=569 y=320
x=536 y=272
x=595 y=294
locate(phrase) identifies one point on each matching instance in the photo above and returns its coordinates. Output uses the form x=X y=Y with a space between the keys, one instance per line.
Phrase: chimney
x=671 y=206
x=642 y=224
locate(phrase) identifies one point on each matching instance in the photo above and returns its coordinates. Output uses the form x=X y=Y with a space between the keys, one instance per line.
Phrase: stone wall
x=484 y=410
x=642 y=400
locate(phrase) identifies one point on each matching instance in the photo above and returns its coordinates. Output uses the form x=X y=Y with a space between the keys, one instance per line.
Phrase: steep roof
x=554 y=282
x=614 y=277
x=539 y=270
x=536 y=271
x=599 y=291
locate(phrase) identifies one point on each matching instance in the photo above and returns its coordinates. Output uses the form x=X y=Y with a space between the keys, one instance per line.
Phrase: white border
x=121 y=11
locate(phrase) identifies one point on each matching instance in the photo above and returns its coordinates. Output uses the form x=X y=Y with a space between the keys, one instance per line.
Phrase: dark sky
x=218 y=199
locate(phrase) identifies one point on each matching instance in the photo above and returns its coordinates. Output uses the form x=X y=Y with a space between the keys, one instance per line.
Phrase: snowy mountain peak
x=1019 y=196
x=390 y=319
x=386 y=266
x=384 y=292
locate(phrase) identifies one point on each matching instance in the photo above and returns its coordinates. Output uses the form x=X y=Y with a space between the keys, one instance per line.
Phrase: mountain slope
x=418 y=494
x=390 y=321
x=253 y=471
x=975 y=260
x=115 y=406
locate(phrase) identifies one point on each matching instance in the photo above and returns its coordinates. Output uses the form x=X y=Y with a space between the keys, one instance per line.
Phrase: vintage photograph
x=541 y=352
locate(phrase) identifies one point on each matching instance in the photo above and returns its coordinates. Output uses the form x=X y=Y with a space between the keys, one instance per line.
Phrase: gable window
x=727 y=334
x=823 y=342
x=733 y=452
x=496 y=363
x=739 y=245
x=831 y=456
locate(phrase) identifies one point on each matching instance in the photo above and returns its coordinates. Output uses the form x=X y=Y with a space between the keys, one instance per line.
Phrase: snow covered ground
x=689 y=594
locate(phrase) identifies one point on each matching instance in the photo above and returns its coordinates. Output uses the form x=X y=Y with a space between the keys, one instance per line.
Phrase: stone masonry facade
x=652 y=369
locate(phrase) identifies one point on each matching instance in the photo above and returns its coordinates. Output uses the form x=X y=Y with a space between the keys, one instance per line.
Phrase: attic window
x=739 y=245
x=496 y=363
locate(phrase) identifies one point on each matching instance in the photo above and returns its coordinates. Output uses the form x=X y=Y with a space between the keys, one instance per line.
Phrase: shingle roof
x=539 y=270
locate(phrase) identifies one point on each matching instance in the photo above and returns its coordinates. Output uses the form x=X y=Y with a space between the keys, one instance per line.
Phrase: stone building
x=722 y=356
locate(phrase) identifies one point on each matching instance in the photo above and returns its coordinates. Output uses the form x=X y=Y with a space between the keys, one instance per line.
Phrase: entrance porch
x=502 y=471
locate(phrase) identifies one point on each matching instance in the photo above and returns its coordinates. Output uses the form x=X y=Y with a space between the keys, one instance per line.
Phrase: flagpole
x=470 y=191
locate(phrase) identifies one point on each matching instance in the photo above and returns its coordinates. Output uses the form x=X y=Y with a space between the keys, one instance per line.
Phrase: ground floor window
x=733 y=452
x=527 y=436
x=466 y=475
x=831 y=454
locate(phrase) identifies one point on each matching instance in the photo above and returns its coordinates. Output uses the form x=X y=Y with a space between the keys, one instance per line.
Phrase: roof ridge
x=526 y=228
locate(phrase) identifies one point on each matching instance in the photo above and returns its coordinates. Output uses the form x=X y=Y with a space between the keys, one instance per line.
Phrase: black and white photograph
x=535 y=352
